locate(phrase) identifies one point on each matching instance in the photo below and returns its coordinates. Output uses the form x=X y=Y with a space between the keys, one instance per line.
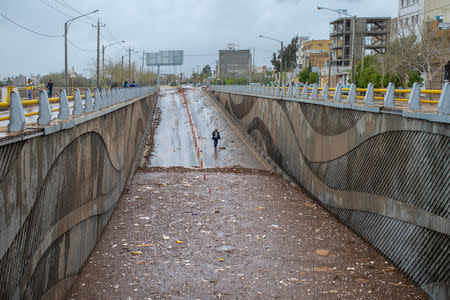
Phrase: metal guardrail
x=313 y=92
x=92 y=101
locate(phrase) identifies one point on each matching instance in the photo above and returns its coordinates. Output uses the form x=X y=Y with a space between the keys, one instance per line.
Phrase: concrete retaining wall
x=58 y=188
x=384 y=175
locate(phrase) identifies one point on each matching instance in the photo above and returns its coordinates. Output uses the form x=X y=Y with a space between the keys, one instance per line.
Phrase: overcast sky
x=199 y=27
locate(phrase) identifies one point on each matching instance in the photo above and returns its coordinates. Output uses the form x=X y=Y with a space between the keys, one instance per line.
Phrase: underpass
x=231 y=229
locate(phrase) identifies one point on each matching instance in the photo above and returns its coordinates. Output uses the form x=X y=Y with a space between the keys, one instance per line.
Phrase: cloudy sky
x=199 y=27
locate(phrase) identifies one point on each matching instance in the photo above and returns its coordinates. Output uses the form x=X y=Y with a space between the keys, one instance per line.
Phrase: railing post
x=305 y=92
x=16 y=113
x=289 y=91
x=64 y=110
x=296 y=90
x=444 y=100
x=104 y=99
x=87 y=101
x=368 y=97
x=414 y=97
x=45 y=111
x=314 y=93
x=389 y=97
x=277 y=90
x=325 y=92
x=338 y=93
x=352 y=94
x=78 y=105
x=97 y=99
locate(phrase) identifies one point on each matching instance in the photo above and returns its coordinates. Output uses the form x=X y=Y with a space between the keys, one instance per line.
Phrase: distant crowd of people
x=125 y=84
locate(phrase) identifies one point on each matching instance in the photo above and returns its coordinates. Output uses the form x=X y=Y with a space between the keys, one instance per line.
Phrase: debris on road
x=241 y=252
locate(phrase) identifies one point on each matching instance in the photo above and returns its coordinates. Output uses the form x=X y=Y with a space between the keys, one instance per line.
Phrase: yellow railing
x=399 y=91
x=35 y=102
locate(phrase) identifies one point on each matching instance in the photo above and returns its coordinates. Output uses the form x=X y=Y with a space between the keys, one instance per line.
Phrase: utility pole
x=253 y=62
x=98 y=50
x=142 y=69
x=65 y=57
x=281 y=65
x=353 y=48
x=363 y=53
x=122 y=70
x=103 y=65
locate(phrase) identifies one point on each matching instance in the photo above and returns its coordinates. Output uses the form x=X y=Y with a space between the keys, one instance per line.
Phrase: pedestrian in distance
x=215 y=138
x=30 y=89
x=133 y=84
x=125 y=84
x=50 y=88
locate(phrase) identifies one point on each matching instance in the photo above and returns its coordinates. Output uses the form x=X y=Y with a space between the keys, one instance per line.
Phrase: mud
x=254 y=236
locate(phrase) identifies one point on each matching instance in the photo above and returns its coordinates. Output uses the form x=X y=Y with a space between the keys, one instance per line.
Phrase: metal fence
x=75 y=105
x=352 y=95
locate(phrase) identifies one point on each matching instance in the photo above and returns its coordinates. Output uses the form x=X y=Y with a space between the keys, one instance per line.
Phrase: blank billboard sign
x=165 y=58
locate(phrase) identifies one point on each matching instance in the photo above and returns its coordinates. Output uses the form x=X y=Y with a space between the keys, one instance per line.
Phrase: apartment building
x=371 y=38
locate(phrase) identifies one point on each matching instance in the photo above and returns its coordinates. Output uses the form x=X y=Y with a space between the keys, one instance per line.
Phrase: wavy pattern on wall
x=405 y=165
x=419 y=252
x=270 y=146
x=65 y=204
x=242 y=109
x=8 y=155
x=409 y=166
x=338 y=120
x=84 y=160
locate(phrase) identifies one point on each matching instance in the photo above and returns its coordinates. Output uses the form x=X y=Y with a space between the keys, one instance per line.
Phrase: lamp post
x=66 y=28
x=281 y=54
x=103 y=59
x=353 y=38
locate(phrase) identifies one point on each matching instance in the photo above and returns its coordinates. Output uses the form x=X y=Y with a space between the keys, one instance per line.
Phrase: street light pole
x=103 y=59
x=353 y=38
x=66 y=28
x=281 y=54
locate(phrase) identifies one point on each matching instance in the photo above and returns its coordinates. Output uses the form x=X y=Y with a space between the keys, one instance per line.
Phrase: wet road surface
x=239 y=234
x=253 y=237
x=174 y=145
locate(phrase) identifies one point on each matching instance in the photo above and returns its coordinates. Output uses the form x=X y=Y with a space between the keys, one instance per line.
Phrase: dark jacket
x=216 y=135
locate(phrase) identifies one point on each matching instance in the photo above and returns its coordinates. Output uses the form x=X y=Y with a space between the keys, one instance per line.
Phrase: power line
x=30 y=30
x=61 y=12
x=68 y=6
x=79 y=48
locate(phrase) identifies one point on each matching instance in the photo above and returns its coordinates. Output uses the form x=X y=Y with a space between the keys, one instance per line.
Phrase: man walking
x=216 y=138
x=50 y=88
x=30 y=89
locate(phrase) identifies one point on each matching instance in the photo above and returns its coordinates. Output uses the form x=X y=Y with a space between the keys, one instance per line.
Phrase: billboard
x=165 y=58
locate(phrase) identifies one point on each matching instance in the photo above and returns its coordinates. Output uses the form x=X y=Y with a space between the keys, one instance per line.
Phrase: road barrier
x=92 y=101
x=352 y=95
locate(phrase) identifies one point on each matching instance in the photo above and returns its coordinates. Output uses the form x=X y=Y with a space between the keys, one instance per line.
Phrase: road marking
x=237 y=131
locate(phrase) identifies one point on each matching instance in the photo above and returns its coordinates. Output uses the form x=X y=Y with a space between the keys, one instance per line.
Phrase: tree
x=58 y=80
x=313 y=77
x=289 y=56
x=421 y=53
x=303 y=76
x=207 y=70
